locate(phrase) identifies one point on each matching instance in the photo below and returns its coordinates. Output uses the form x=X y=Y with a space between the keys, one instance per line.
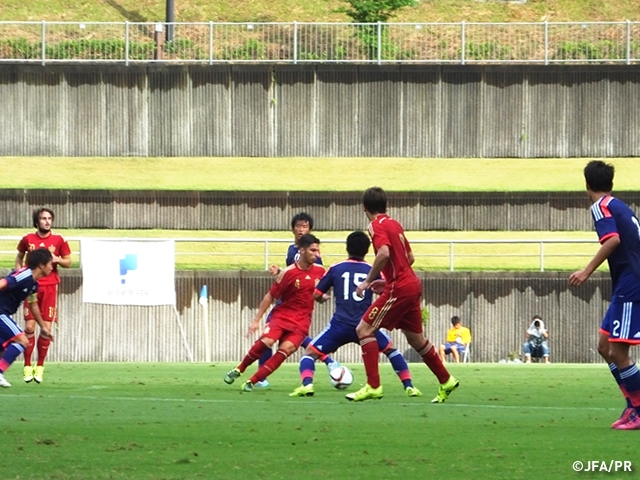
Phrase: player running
x=19 y=285
x=344 y=277
x=290 y=319
x=399 y=304
x=619 y=232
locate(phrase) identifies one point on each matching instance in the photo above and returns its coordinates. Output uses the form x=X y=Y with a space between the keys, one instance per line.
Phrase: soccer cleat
x=633 y=423
x=303 y=391
x=332 y=365
x=38 y=373
x=445 y=390
x=366 y=393
x=413 y=392
x=247 y=386
x=231 y=376
x=626 y=413
x=3 y=382
x=27 y=373
x=261 y=384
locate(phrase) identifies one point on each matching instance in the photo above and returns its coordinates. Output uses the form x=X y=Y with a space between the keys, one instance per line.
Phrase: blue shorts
x=335 y=336
x=447 y=347
x=622 y=323
x=9 y=330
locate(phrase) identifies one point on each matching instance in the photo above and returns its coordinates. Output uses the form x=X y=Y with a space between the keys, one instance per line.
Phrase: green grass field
x=180 y=421
x=327 y=174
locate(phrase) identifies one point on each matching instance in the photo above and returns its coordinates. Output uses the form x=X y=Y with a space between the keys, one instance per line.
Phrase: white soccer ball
x=341 y=377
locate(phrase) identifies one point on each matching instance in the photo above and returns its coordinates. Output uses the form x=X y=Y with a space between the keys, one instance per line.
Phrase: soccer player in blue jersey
x=618 y=229
x=19 y=285
x=301 y=224
x=344 y=277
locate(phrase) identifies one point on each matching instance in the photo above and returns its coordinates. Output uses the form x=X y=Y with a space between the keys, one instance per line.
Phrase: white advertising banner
x=128 y=272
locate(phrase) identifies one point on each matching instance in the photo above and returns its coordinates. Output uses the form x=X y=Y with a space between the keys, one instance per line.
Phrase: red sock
x=43 y=348
x=28 y=352
x=254 y=354
x=434 y=362
x=370 y=352
x=271 y=366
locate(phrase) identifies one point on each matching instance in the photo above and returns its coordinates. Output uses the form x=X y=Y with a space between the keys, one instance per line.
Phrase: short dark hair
x=37 y=257
x=302 y=217
x=358 y=244
x=307 y=239
x=374 y=200
x=536 y=317
x=599 y=176
x=455 y=320
x=38 y=211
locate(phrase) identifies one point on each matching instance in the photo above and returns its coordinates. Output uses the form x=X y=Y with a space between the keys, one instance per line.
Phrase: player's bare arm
x=35 y=309
x=382 y=257
x=20 y=260
x=608 y=246
x=64 y=261
x=321 y=297
x=274 y=270
x=266 y=302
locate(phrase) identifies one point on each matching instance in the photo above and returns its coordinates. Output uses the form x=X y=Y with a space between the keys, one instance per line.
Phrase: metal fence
x=297 y=42
x=430 y=255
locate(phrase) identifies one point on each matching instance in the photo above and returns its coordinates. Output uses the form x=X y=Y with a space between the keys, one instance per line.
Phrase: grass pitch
x=180 y=421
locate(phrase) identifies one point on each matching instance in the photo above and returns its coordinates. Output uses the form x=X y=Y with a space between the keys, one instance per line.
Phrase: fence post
x=158 y=38
x=451 y=256
x=462 y=38
x=44 y=42
x=295 y=42
x=210 y=42
x=126 y=42
x=628 y=42
x=546 y=42
x=266 y=255
x=379 y=43
x=542 y=256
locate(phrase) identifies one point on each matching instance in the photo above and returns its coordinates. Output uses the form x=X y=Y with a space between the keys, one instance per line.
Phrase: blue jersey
x=293 y=254
x=613 y=217
x=20 y=284
x=344 y=277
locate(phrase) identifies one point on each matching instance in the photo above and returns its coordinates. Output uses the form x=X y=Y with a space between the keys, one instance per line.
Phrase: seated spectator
x=458 y=337
x=536 y=345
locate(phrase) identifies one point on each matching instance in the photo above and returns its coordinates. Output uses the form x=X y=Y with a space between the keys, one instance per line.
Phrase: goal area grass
x=181 y=421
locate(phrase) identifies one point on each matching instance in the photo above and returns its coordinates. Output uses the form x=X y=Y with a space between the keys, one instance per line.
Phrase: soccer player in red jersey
x=399 y=304
x=290 y=318
x=43 y=237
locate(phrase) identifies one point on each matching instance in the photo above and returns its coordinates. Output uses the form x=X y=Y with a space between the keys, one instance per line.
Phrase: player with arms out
x=301 y=224
x=399 y=304
x=290 y=318
x=619 y=232
x=344 y=277
x=43 y=237
x=19 y=285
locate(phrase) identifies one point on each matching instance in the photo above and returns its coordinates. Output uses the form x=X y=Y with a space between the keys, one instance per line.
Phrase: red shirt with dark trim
x=54 y=243
x=295 y=290
x=401 y=279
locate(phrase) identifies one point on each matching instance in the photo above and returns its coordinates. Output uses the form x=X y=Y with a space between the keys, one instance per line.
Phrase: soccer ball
x=341 y=377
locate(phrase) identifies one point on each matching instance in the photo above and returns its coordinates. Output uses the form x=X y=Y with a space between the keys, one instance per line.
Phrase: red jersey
x=401 y=279
x=295 y=290
x=54 y=243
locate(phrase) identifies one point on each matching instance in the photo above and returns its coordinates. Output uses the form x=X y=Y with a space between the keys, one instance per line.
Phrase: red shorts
x=279 y=331
x=395 y=312
x=47 y=301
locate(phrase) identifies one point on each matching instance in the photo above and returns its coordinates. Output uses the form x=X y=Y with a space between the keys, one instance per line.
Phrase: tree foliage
x=371 y=11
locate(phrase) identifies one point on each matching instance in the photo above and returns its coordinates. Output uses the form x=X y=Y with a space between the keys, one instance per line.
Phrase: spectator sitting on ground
x=458 y=337
x=536 y=344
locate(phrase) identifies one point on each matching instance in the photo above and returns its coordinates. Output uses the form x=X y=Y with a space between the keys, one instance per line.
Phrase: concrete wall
x=332 y=211
x=321 y=111
x=496 y=306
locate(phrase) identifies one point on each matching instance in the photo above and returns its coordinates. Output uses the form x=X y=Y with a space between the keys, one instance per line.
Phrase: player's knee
x=364 y=329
